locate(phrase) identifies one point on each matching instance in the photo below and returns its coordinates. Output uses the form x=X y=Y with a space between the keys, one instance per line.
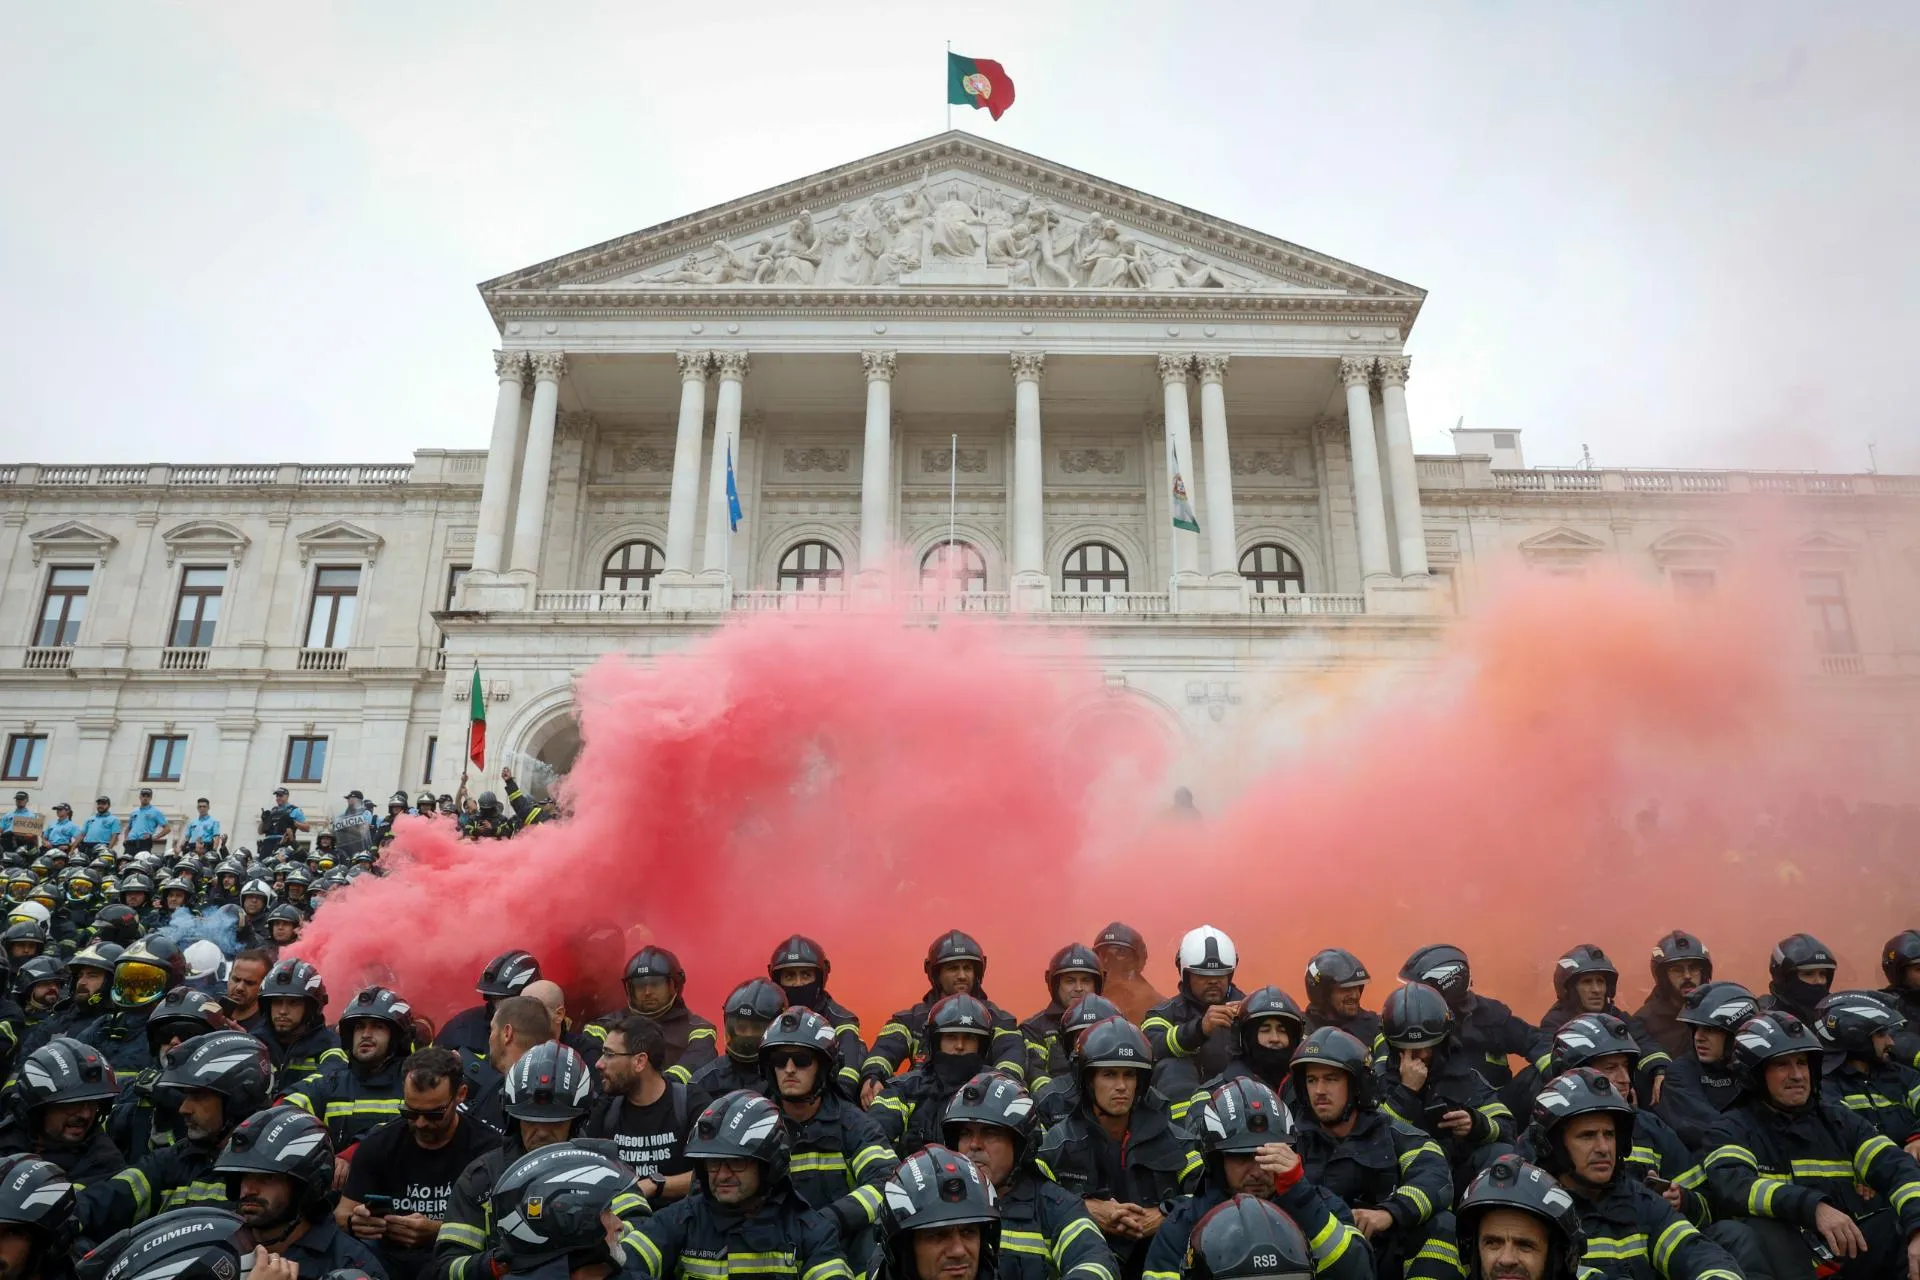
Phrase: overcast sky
x=1678 y=233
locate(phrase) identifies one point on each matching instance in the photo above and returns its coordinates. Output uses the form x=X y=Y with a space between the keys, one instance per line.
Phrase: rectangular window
x=1693 y=586
x=330 y=622
x=1503 y=439
x=455 y=574
x=166 y=757
x=64 y=608
x=26 y=757
x=1826 y=597
x=306 y=761
x=198 y=609
x=433 y=749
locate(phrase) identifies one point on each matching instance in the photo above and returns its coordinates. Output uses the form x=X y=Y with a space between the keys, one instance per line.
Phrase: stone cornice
x=846 y=183
x=536 y=304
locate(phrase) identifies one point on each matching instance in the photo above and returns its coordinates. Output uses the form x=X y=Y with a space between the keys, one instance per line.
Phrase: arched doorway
x=547 y=753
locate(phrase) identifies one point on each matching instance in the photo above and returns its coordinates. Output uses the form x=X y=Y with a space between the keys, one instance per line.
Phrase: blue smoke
x=219 y=926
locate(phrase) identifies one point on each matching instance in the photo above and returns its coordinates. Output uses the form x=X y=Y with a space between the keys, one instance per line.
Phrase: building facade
x=951 y=377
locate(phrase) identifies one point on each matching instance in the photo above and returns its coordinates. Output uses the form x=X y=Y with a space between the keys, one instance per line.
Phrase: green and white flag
x=1182 y=508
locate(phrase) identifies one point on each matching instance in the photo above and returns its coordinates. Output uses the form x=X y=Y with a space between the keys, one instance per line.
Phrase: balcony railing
x=1301 y=605
x=1843 y=664
x=958 y=601
x=1111 y=602
x=201 y=475
x=593 y=601
x=184 y=659
x=791 y=601
x=47 y=659
x=322 y=660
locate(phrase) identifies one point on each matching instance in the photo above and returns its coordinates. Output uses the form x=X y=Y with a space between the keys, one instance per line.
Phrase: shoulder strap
x=678 y=1091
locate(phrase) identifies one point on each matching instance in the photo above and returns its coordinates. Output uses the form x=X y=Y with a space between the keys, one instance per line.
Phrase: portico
x=956 y=343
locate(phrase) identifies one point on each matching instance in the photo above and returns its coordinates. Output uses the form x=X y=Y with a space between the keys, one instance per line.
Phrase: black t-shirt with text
x=649 y=1140
x=388 y=1162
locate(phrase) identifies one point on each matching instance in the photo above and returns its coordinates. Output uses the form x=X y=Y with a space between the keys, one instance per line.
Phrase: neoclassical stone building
x=953 y=376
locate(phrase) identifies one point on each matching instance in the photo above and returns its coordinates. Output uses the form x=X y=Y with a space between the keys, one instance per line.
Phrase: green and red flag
x=477 y=722
x=978 y=82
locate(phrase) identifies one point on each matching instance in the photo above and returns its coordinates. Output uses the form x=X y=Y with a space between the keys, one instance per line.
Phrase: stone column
x=530 y=518
x=1173 y=384
x=496 y=490
x=1369 y=505
x=683 y=499
x=1223 y=538
x=726 y=435
x=1403 y=480
x=876 y=464
x=1032 y=589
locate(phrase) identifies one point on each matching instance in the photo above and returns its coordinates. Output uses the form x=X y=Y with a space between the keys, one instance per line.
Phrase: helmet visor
x=138 y=983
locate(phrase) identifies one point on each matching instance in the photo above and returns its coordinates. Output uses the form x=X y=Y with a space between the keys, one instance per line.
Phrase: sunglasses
x=780 y=1059
x=409 y=1114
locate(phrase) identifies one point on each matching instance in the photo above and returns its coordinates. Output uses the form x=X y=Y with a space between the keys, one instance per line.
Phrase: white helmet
x=34 y=911
x=203 y=957
x=1208 y=952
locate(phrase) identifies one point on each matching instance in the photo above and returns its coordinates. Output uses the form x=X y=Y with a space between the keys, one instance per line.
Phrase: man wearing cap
x=63 y=830
x=280 y=822
x=146 y=824
x=101 y=827
x=203 y=829
x=353 y=830
x=24 y=840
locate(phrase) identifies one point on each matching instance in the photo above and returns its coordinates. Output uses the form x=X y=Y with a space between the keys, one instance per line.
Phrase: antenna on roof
x=1873 y=459
x=1586 y=458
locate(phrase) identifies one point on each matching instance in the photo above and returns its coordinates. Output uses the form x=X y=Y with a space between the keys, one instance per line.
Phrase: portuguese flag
x=978 y=82
x=477 y=722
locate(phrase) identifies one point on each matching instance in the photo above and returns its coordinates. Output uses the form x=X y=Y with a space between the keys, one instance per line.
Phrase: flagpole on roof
x=949 y=100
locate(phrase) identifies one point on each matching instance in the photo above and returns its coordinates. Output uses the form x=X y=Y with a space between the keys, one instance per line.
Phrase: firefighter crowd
x=184 y=1102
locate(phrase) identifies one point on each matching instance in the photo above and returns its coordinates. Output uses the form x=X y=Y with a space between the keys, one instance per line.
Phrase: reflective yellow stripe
x=1031 y=1242
x=866 y=1157
x=1193 y=1165
x=1825 y=1168
x=1761 y=1194
x=1073 y=1231
x=1869 y=1151
x=1721 y=1155
x=1426 y=1148
x=1417 y=1199
x=832 y=1268
x=649 y=1251
x=1676 y=1234
x=142 y=1191
x=699 y=1033
x=1439 y=1249
x=1904 y=1194
x=1617 y=1248
x=464 y=1234
x=1173 y=1036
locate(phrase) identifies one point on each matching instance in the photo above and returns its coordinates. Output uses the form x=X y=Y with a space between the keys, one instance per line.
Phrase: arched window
x=632 y=567
x=953 y=566
x=1273 y=570
x=810 y=566
x=1094 y=568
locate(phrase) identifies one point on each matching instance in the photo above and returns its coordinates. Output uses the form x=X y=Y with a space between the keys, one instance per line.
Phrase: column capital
x=1212 y=366
x=1394 y=369
x=573 y=426
x=1174 y=368
x=731 y=364
x=694 y=365
x=1356 y=371
x=878 y=365
x=1028 y=365
x=549 y=366
x=510 y=366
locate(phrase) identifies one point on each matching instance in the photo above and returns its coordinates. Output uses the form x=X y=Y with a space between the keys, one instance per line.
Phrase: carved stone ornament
x=1272 y=462
x=966 y=461
x=951 y=231
x=694 y=365
x=572 y=426
x=1106 y=462
x=1394 y=369
x=549 y=366
x=628 y=456
x=817 y=459
x=731 y=364
x=1212 y=367
x=510 y=366
x=877 y=365
x=1029 y=365
x=1356 y=371
x=1174 y=368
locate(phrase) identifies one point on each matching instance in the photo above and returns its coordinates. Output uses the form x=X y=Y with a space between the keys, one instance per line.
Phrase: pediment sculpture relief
x=952 y=232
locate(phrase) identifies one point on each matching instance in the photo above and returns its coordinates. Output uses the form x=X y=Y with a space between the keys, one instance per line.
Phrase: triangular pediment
x=209 y=539
x=1822 y=540
x=1562 y=542
x=339 y=538
x=1681 y=546
x=954 y=213
x=73 y=538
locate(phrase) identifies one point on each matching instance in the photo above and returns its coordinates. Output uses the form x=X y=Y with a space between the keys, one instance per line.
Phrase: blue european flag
x=733 y=494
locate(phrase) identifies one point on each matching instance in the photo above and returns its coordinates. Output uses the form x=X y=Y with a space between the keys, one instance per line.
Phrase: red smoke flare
x=873 y=781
